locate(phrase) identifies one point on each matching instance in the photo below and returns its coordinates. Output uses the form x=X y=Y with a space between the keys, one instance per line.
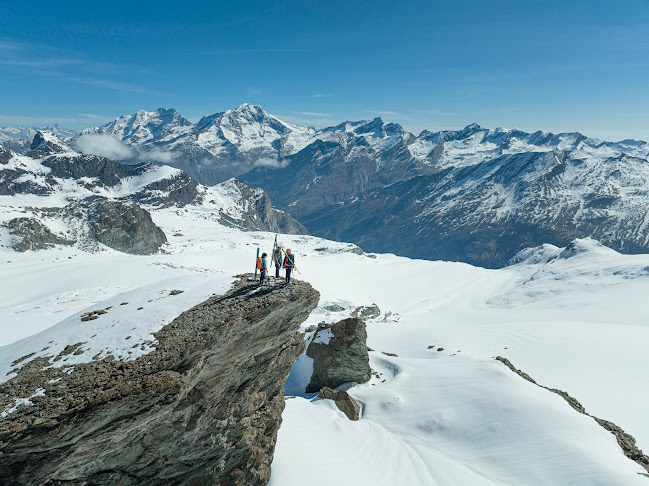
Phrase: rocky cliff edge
x=203 y=408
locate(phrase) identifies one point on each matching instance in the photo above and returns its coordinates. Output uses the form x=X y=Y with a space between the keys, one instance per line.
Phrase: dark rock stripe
x=625 y=441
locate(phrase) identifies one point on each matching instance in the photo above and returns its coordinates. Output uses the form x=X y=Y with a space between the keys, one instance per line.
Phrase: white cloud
x=269 y=162
x=162 y=156
x=104 y=145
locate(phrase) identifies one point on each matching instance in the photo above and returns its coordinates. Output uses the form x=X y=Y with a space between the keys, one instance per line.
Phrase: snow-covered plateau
x=442 y=411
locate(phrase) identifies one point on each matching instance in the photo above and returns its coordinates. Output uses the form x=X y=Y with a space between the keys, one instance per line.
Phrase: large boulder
x=125 y=226
x=203 y=407
x=339 y=353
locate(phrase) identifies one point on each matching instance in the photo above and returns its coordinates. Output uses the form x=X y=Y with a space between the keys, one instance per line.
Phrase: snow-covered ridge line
x=626 y=442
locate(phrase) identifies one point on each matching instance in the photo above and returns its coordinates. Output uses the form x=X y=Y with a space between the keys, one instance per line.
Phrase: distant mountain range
x=476 y=195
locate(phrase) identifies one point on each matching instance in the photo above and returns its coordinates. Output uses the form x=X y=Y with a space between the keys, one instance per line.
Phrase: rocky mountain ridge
x=476 y=195
x=59 y=196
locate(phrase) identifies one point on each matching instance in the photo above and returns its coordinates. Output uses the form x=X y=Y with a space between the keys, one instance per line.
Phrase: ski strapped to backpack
x=257 y=263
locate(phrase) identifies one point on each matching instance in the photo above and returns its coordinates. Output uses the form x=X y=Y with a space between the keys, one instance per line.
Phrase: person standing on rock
x=289 y=263
x=277 y=260
x=263 y=268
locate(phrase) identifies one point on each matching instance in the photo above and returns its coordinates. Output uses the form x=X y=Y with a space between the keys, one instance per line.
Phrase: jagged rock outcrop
x=178 y=190
x=46 y=143
x=257 y=213
x=339 y=353
x=125 y=226
x=203 y=408
x=31 y=234
x=344 y=401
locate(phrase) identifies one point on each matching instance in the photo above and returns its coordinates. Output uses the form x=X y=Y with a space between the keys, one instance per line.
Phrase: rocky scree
x=31 y=234
x=203 y=408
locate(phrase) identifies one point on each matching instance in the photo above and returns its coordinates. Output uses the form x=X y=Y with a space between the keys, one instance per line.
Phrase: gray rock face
x=5 y=155
x=343 y=358
x=258 y=213
x=31 y=234
x=202 y=409
x=125 y=226
x=345 y=403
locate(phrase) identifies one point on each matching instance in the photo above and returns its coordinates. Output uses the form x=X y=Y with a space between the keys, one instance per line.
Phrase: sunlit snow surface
x=574 y=320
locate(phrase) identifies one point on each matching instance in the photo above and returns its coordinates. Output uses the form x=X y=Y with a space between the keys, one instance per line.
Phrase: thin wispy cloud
x=387 y=113
x=311 y=113
x=261 y=50
x=438 y=113
x=9 y=46
x=318 y=95
x=252 y=92
x=114 y=85
x=82 y=120
x=31 y=61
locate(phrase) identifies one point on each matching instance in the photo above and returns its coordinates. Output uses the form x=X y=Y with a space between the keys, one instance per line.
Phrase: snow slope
x=573 y=319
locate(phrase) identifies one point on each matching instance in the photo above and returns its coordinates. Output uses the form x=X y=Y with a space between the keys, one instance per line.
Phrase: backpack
x=260 y=265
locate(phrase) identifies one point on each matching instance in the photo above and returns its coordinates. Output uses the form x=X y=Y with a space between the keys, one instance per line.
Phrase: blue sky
x=536 y=65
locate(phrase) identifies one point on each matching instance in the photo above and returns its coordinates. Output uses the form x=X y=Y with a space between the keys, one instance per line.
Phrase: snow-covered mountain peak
x=256 y=117
x=143 y=126
x=586 y=245
x=48 y=143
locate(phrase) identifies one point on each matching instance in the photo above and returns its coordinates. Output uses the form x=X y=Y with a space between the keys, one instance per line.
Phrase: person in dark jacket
x=263 y=269
x=289 y=263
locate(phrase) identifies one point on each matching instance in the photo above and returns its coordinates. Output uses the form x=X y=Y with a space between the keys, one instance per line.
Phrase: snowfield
x=443 y=412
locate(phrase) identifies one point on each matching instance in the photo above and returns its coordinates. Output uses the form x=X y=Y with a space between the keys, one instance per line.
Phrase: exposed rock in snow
x=253 y=210
x=125 y=226
x=367 y=312
x=339 y=353
x=5 y=155
x=626 y=441
x=46 y=143
x=202 y=407
x=345 y=403
x=31 y=234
